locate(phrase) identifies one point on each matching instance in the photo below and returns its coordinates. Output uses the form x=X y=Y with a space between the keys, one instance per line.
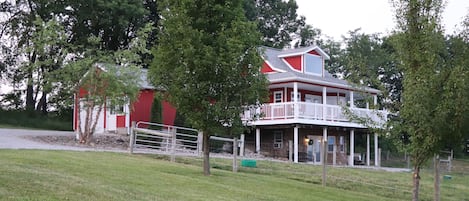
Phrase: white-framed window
x=313 y=64
x=278 y=96
x=330 y=143
x=278 y=139
x=292 y=96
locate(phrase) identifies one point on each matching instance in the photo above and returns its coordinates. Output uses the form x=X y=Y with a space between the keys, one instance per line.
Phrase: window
x=117 y=109
x=292 y=96
x=278 y=139
x=330 y=143
x=313 y=64
x=278 y=97
x=341 y=144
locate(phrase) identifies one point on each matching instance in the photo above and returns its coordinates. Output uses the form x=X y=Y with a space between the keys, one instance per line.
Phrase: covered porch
x=308 y=143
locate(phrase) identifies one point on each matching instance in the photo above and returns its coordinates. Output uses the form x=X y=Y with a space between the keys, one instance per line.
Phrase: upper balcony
x=315 y=114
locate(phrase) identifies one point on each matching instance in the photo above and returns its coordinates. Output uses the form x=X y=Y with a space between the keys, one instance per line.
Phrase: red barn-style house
x=117 y=119
x=308 y=107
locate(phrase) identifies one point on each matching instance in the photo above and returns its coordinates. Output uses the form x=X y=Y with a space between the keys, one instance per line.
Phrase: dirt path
x=58 y=140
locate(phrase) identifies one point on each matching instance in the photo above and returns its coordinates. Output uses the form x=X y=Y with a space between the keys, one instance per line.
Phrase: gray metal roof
x=271 y=55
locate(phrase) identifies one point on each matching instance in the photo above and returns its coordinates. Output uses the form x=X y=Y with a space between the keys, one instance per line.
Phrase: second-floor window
x=292 y=96
x=313 y=64
x=278 y=97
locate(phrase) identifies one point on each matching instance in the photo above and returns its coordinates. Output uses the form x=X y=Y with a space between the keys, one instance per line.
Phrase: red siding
x=169 y=113
x=266 y=68
x=294 y=62
x=141 y=109
x=120 y=121
x=314 y=52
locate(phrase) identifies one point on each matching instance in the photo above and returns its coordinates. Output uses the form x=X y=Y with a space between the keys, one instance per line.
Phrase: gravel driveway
x=18 y=139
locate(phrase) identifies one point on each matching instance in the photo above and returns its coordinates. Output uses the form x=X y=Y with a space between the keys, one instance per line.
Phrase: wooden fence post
x=241 y=148
x=324 y=161
x=173 y=144
x=235 y=154
x=200 y=135
x=132 y=138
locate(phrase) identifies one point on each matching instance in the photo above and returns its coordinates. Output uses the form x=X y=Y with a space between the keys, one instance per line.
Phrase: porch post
x=324 y=101
x=375 y=100
x=352 y=104
x=258 y=140
x=324 y=139
x=295 y=144
x=295 y=100
x=368 y=149
x=376 y=150
x=352 y=147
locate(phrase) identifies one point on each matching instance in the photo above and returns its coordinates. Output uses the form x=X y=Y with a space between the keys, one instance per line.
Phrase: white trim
x=320 y=51
x=273 y=68
x=281 y=97
x=322 y=66
x=329 y=84
x=305 y=121
x=291 y=67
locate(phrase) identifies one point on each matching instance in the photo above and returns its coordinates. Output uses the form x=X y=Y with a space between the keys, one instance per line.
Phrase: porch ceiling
x=309 y=87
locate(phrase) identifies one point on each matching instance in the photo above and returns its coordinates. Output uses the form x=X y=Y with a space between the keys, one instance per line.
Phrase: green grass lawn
x=63 y=175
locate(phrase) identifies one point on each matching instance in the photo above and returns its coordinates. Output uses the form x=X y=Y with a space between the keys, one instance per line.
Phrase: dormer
x=308 y=60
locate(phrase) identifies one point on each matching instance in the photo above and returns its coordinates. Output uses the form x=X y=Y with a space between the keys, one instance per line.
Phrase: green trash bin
x=248 y=163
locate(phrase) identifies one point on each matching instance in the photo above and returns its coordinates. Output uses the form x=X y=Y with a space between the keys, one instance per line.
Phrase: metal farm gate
x=149 y=137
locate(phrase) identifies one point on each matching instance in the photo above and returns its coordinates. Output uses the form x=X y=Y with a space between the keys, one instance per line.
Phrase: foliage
x=277 y=21
x=208 y=61
x=111 y=78
x=435 y=82
x=42 y=33
x=21 y=119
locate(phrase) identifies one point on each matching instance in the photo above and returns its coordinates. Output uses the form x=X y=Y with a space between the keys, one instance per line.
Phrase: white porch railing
x=315 y=111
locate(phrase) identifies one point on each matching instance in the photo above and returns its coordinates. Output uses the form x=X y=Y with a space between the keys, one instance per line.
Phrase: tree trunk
x=206 y=149
x=42 y=105
x=436 y=166
x=30 y=104
x=416 y=181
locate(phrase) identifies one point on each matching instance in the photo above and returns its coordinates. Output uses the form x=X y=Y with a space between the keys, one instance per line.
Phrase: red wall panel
x=294 y=62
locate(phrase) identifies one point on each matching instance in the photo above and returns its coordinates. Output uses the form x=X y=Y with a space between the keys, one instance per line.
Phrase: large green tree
x=207 y=60
x=115 y=23
x=277 y=21
x=434 y=89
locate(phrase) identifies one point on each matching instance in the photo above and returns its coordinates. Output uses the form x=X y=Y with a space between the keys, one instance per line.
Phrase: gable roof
x=143 y=82
x=274 y=57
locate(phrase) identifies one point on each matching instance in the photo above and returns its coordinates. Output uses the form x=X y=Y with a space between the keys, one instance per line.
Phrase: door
x=114 y=117
x=314 y=149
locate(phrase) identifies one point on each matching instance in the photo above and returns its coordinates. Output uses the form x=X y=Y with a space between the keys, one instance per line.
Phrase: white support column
x=295 y=144
x=241 y=147
x=375 y=100
x=258 y=140
x=368 y=149
x=376 y=150
x=324 y=101
x=352 y=147
x=352 y=104
x=324 y=138
x=295 y=100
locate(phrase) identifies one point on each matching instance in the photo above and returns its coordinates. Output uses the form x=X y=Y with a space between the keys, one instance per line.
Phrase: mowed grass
x=65 y=175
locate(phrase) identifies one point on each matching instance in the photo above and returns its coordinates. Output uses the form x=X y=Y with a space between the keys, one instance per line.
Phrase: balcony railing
x=314 y=111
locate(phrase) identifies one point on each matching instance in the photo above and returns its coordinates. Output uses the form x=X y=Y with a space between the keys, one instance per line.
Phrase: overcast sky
x=336 y=17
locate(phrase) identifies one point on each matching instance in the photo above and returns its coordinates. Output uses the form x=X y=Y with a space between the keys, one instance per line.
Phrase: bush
x=21 y=118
